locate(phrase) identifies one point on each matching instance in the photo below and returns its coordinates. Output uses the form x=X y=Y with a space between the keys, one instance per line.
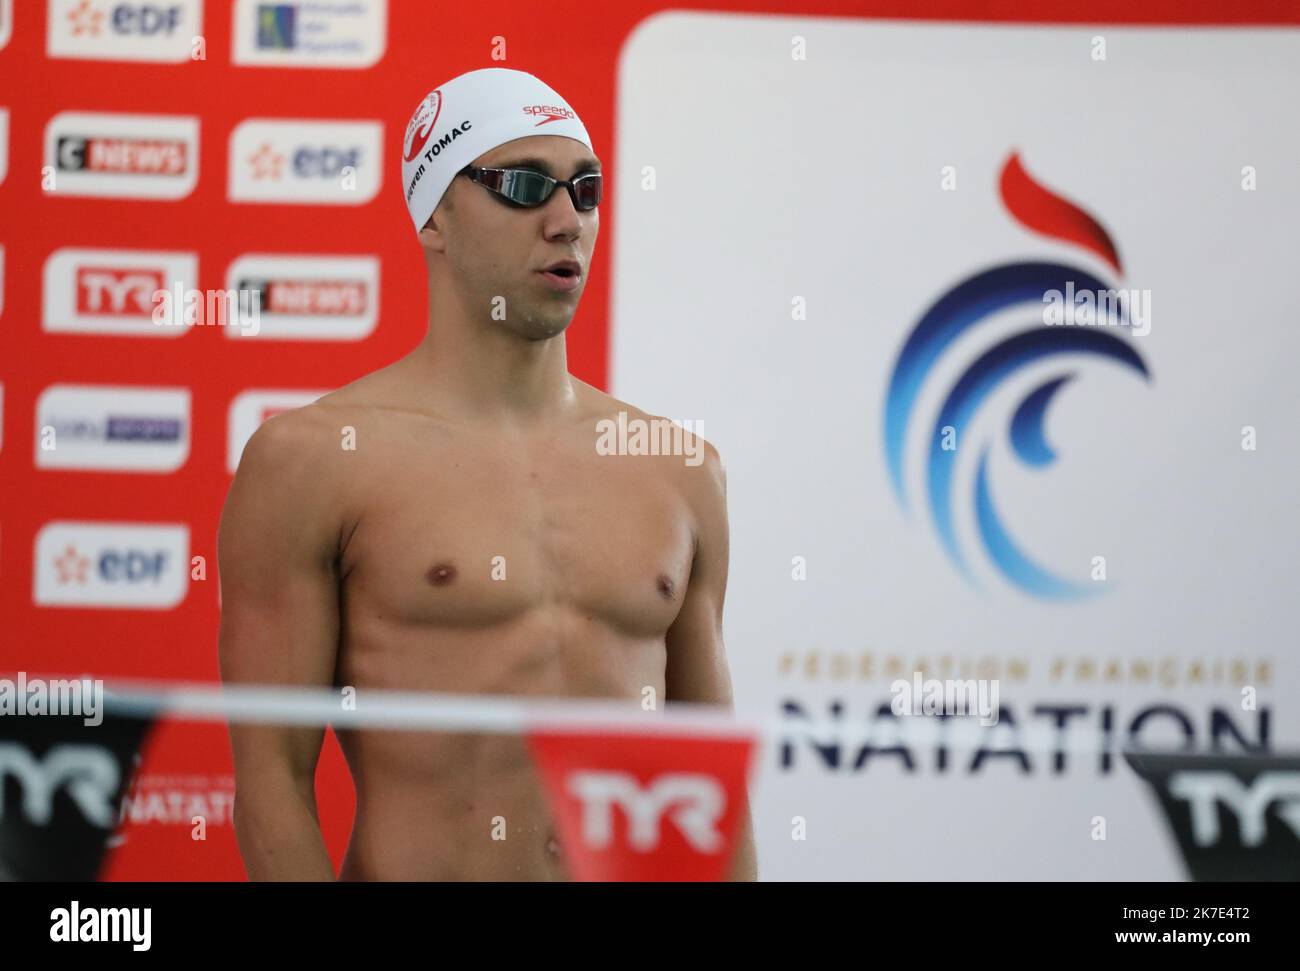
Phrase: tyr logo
x=693 y=802
x=106 y=290
x=89 y=774
x=1249 y=802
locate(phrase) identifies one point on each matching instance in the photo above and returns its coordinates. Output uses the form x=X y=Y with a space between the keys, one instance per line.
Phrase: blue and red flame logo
x=961 y=311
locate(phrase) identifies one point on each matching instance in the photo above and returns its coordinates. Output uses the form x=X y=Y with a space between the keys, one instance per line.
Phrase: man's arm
x=697 y=661
x=277 y=549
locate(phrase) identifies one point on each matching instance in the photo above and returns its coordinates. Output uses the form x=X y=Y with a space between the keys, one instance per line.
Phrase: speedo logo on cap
x=549 y=113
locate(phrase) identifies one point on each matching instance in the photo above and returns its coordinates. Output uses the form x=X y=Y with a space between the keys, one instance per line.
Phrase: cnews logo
x=126 y=156
x=122 y=155
x=309 y=297
x=329 y=298
x=123 y=565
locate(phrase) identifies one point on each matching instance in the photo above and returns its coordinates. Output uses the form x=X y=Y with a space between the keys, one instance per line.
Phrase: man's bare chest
x=479 y=538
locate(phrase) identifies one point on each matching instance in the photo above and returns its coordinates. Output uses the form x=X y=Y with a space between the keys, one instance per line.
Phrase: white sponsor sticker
x=107 y=30
x=90 y=564
x=332 y=162
x=4 y=144
x=110 y=291
x=122 y=155
x=347 y=35
x=308 y=297
x=250 y=408
x=113 y=428
x=6 y=21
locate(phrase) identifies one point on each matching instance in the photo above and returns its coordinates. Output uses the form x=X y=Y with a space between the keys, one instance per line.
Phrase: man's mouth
x=563 y=275
x=564 y=268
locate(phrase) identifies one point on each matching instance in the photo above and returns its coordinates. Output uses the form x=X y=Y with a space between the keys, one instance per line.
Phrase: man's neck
x=482 y=372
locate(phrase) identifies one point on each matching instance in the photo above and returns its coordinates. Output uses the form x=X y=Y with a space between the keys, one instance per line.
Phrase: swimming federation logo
x=421 y=125
x=959 y=313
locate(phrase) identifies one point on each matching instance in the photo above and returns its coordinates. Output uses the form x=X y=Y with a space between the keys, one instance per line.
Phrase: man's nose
x=562 y=217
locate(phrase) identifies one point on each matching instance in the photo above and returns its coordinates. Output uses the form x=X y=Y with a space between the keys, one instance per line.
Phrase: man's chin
x=543 y=327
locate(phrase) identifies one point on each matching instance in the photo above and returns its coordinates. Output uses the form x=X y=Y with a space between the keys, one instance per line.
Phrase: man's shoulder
x=378 y=389
x=691 y=452
x=326 y=420
x=302 y=442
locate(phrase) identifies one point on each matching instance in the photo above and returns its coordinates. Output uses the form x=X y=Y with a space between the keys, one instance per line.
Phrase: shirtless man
x=380 y=567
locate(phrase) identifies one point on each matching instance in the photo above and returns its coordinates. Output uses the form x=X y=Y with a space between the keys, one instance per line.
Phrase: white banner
x=864 y=224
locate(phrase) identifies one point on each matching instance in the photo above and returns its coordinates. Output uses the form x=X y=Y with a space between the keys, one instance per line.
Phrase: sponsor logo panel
x=109 y=30
x=309 y=297
x=330 y=162
x=336 y=35
x=118 y=429
x=111 y=291
x=119 y=565
x=120 y=155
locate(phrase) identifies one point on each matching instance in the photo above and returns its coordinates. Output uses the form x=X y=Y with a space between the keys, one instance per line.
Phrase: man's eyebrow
x=583 y=165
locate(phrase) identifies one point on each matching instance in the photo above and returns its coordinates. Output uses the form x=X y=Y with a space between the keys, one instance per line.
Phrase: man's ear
x=434 y=234
x=431 y=236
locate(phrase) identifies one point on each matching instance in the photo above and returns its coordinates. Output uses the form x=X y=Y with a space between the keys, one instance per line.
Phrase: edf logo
x=324 y=162
x=127 y=565
x=105 y=30
x=146 y=20
x=132 y=566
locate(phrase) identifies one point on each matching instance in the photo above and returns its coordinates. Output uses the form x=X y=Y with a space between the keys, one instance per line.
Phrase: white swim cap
x=472 y=114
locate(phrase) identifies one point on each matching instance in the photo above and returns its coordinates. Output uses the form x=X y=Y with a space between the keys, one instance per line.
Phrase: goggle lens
x=527 y=188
